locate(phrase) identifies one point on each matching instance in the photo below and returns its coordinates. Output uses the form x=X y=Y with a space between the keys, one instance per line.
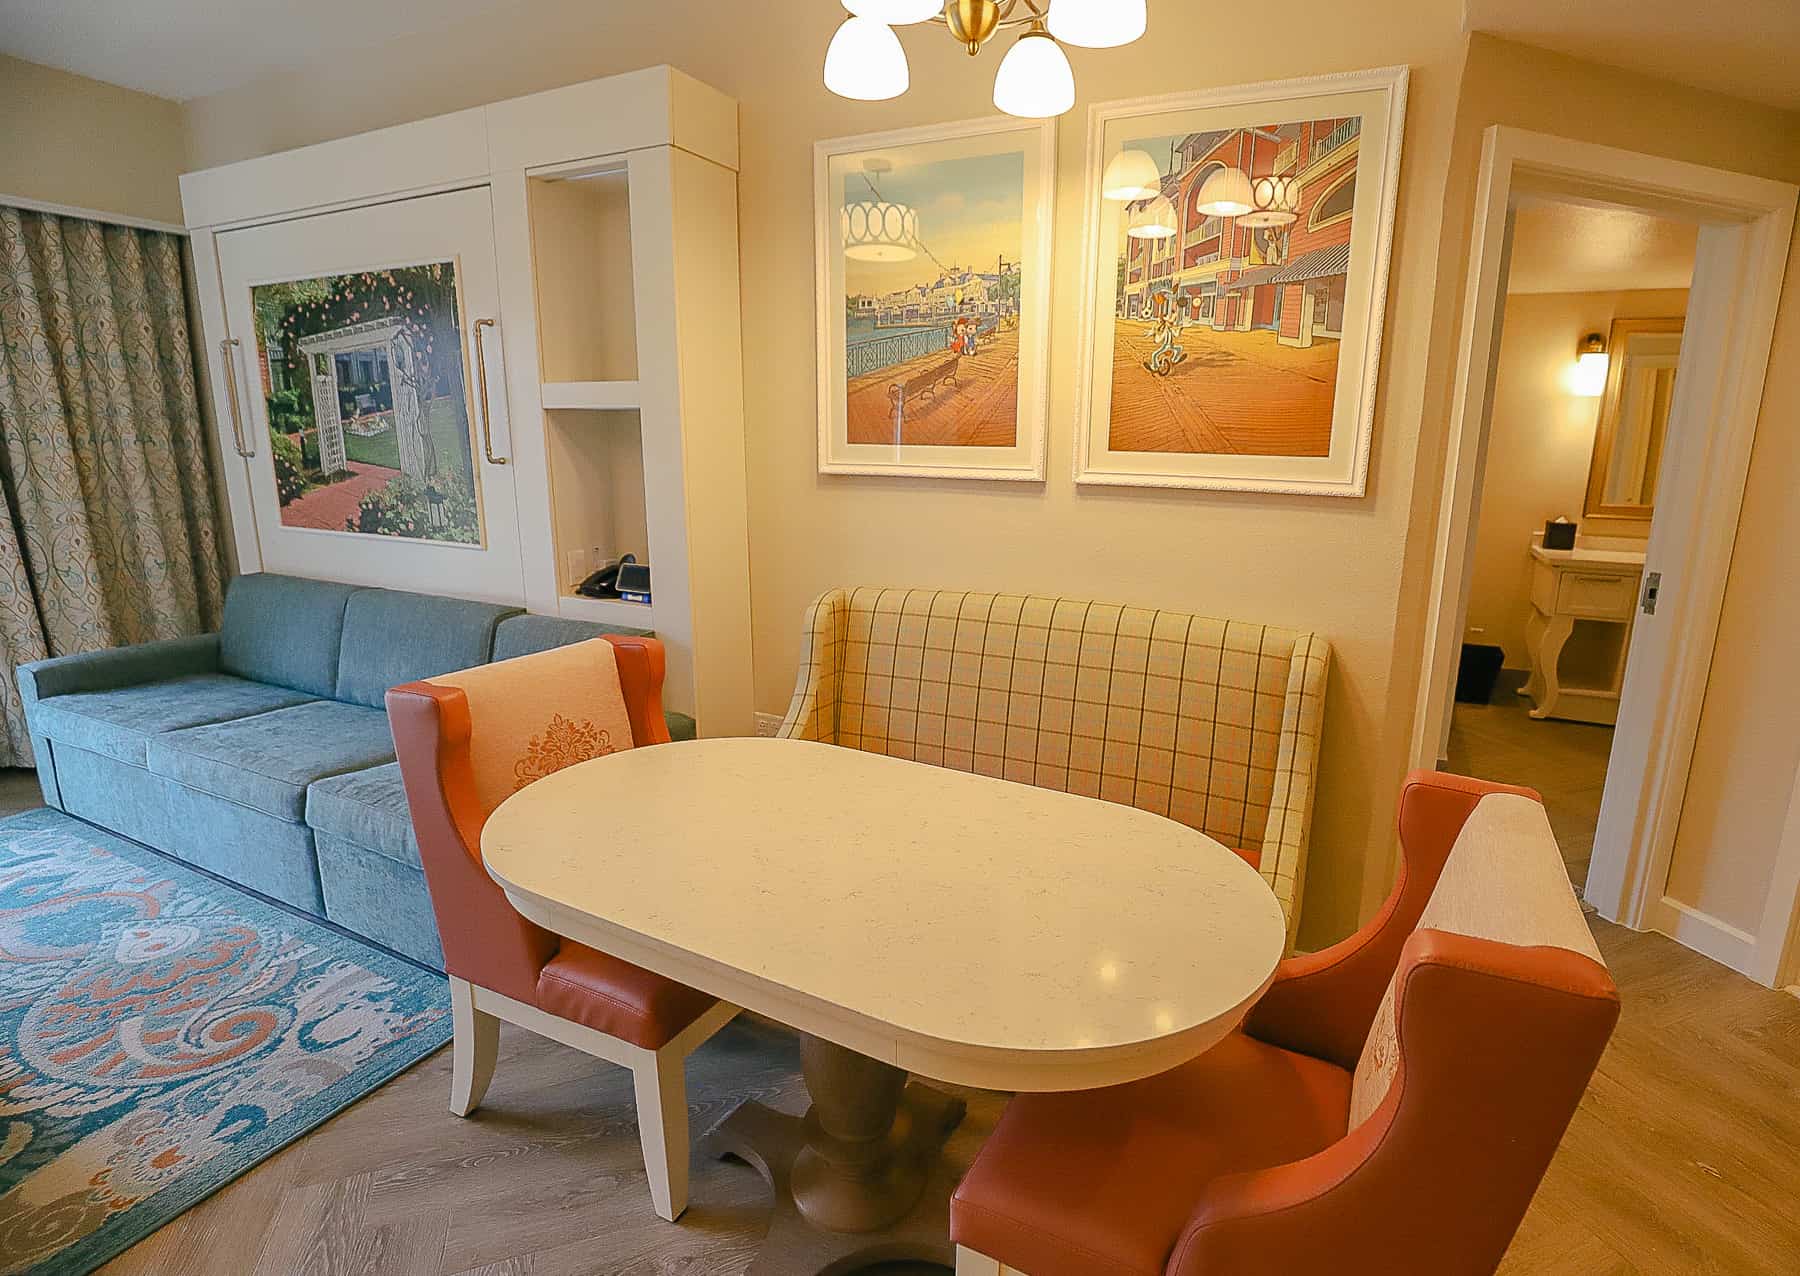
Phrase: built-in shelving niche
x=598 y=504
x=587 y=317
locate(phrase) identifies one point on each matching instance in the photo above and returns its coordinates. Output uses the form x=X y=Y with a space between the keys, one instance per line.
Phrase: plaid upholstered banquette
x=1212 y=723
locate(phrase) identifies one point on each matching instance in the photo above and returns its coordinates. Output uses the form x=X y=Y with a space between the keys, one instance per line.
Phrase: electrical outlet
x=767 y=724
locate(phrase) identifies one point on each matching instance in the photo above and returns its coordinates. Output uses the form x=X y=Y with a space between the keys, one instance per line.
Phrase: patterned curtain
x=110 y=534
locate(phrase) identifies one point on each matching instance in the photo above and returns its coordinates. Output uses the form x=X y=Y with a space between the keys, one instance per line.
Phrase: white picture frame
x=876 y=441
x=1205 y=431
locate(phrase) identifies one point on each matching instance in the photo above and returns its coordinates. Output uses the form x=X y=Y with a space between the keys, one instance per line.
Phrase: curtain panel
x=111 y=534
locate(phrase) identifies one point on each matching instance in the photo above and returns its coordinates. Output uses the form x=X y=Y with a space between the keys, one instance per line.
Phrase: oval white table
x=903 y=918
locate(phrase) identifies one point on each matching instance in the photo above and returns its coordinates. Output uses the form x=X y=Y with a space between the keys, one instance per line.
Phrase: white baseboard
x=1705 y=934
x=767 y=724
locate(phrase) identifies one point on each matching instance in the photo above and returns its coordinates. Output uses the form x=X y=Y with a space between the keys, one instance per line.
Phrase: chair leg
x=660 y=1079
x=476 y=1042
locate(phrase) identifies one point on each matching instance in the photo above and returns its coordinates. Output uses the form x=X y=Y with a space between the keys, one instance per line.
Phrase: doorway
x=1742 y=227
x=1591 y=326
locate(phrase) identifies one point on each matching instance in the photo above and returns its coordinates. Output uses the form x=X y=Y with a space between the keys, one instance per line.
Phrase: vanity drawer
x=1597 y=596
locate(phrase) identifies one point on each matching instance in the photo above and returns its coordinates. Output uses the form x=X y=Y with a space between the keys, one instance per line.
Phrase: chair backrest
x=534 y=715
x=468 y=740
x=1504 y=882
x=1169 y=712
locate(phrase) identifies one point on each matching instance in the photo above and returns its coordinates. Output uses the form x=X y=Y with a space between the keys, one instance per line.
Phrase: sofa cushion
x=527 y=635
x=284 y=630
x=1103 y=1181
x=367 y=808
x=120 y=722
x=267 y=762
x=392 y=637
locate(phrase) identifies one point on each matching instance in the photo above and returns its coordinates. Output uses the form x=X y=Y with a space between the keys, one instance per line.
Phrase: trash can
x=1478 y=672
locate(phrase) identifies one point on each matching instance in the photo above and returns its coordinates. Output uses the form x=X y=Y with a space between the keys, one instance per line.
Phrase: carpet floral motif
x=160 y=1033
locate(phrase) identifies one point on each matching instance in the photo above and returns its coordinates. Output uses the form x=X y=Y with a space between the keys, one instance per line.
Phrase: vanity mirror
x=1634 y=417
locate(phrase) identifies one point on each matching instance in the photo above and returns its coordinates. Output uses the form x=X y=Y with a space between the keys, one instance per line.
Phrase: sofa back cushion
x=1504 y=881
x=284 y=630
x=533 y=716
x=1162 y=710
x=526 y=635
x=392 y=637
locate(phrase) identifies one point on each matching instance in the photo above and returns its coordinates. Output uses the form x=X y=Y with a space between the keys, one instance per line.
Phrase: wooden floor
x=1684 y=1158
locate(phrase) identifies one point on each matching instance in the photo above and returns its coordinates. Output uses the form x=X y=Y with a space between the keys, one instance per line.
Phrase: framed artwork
x=933 y=272
x=368 y=412
x=1236 y=278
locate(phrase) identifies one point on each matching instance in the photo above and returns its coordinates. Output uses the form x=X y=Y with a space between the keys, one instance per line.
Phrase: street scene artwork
x=1237 y=280
x=364 y=385
x=934 y=330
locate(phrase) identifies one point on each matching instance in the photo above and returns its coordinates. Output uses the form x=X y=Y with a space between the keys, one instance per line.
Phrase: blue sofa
x=261 y=753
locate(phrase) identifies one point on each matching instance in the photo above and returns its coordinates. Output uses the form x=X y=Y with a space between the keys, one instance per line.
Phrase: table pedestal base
x=860 y=1179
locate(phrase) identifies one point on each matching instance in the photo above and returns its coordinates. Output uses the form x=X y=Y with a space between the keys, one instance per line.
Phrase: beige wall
x=71 y=140
x=1329 y=565
x=1540 y=443
x=1744 y=767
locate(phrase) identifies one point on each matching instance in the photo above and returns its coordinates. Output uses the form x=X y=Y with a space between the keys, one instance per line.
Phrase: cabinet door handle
x=231 y=396
x=487 y=420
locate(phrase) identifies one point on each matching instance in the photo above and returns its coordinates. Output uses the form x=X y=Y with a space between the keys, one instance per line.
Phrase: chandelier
x=866 y=61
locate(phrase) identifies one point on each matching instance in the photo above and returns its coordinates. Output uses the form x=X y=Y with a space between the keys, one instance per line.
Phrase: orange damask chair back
x=468 y=741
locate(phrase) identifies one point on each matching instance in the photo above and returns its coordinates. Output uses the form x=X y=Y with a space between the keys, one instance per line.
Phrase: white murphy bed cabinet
x=595 y=227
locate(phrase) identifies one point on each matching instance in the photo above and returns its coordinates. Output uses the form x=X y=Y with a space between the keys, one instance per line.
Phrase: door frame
x=1746 y=224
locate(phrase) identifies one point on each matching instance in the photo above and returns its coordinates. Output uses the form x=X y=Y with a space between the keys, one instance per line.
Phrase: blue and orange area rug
x=161 y=1033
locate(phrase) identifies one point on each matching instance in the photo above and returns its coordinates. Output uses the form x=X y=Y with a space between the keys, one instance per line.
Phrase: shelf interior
x=581 y=246
x=598 y=509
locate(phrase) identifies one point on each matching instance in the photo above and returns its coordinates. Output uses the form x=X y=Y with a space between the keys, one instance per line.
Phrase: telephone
x=622 y=578
x=604 y=583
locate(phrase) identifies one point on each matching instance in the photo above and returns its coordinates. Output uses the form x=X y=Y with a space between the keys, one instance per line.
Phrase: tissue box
x=1559 y=534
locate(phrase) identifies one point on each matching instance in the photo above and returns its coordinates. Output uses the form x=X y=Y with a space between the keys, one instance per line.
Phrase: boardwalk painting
x=933 y=250
x=1236 y=288
x=363 y=386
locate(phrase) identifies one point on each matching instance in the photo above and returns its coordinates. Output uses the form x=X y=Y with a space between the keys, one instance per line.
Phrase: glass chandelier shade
x=1035 y=80
x=1226 y=193
x=895 y=13
x=1098 y=24
x=1276 y=200
x=1132 y=175
x=865 y=61
x=1588 y=379
x=875 y=230
x=1155 y=220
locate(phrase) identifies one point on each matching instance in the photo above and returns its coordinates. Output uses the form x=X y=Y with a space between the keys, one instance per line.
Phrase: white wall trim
x=91 y=214
x=1704 y=933
x=1747 y=223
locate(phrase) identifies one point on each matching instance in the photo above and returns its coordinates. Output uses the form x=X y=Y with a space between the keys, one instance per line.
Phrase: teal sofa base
x=270 y=856
x=371 y=894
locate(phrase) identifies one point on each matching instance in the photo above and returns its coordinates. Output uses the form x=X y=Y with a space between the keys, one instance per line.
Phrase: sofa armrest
x=118 y=667
x=813 y=712
x=1284 y=844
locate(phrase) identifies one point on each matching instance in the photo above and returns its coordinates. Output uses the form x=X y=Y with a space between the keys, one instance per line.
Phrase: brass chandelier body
x=974 y=22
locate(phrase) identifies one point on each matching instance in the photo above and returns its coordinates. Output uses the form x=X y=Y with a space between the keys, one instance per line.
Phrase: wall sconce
x=1588 y=380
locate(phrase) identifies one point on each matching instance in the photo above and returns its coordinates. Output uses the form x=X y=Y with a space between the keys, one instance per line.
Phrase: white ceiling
x=1743 y=48
x=1574 y=248
x=188 y=48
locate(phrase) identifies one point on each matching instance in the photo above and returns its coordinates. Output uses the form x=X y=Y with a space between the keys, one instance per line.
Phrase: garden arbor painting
x=367 y=407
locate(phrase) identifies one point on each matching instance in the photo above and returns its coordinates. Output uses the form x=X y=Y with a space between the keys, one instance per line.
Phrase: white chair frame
x=659 y=1077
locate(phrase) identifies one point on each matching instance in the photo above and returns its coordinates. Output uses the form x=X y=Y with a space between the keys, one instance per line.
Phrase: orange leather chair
x=466 y=741
x=1388 y=1107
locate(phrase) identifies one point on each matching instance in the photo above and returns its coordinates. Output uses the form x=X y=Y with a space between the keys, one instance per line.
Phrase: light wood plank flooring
x=1684 y=1157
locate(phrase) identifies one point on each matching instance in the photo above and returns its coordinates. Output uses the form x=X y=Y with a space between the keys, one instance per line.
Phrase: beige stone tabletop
x=965 y=928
